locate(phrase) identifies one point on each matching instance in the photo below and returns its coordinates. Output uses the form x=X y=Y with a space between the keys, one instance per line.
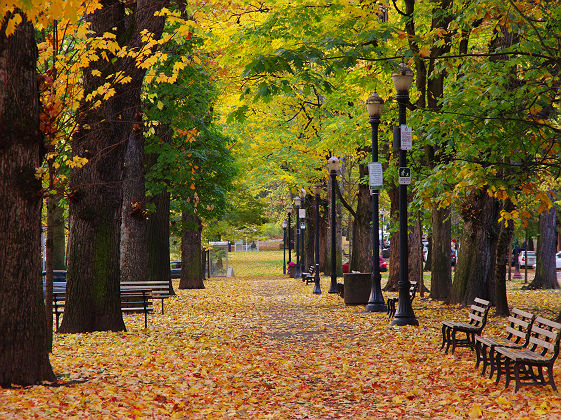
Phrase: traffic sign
x=375 y=175
x=404 y=175
x=406 y=137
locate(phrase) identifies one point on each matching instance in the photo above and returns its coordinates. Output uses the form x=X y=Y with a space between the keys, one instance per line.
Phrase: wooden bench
x=517 y=336
x=392 y=301
x=477 y=319
x=541 y=351
x=309 y=276
x=131 y=301
x=158 y=289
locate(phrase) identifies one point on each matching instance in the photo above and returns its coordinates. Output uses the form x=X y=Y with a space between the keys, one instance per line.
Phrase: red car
x=383 y=266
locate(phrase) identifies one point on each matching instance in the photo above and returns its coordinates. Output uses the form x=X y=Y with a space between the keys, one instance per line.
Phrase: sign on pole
x=302 y=213
x=404 y=175
x=406 y=137
x=375 y=175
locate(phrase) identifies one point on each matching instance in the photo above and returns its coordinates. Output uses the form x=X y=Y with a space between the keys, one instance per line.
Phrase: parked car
x=383 y=266
x=531 y=255
x=175 y=269
x=58 y=275
x=558 y=260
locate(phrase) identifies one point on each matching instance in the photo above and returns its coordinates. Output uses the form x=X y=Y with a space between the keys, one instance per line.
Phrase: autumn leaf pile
x=265 y=347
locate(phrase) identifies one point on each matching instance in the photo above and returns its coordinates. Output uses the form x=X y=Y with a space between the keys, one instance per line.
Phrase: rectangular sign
x=404 y=176
x=302 y=213
x=406 y=137
x=375 y=175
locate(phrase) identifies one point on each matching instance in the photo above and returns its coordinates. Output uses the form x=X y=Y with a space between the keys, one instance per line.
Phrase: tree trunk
x=546 y=274
x=191 y=268
x=503 y=243
x=415 y=251
x=393 y=277
x=24 y=355
x=441 y=238
x=361 y=256
x=93 y=293
x=134 y=248
x=56 y=211
x=323 y=238
x=475 y=270
x=157 y=238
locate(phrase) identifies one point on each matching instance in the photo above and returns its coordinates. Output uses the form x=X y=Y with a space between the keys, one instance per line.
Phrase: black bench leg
x=443 y=337
x=516 y=377
x=162 y=306
x=550 y=374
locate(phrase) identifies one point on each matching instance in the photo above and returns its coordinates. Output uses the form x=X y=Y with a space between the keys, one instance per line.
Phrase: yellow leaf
x=475 y=412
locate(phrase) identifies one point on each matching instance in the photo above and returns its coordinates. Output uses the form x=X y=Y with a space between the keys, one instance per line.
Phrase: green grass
x=256 y=264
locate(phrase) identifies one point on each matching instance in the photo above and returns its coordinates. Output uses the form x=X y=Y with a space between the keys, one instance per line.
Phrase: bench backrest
x=157 y=287
x=413 y=290
x=544 y=337
x=478 y=313
x=520 y=323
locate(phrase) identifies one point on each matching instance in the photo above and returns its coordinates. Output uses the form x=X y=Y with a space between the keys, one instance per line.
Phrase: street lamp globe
x=402 y=78
x=284 y=224
x=317 y=189
x=333 y=164
x=289 y=210
x=374 y=105
x=297 y=201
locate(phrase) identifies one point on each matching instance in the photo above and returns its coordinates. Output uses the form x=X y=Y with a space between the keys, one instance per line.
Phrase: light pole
x=333 y=165
x=302 y=232
x=297 y=203
x=317 y=285
x=284 y=247
x=375 y=105
x=402 y=80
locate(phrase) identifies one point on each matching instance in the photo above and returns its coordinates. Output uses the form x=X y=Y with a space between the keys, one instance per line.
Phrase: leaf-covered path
x=265 y=347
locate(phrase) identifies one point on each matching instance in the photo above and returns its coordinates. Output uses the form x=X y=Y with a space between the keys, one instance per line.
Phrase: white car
x=558 y=260
x=531 y=255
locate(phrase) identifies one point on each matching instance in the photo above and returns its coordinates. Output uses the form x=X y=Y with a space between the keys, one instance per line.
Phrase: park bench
x=131 y=301
x=477 y=319
x=541 y=351
x=158 y=289
x=309 y=276
x=517 y=336
x=392 y=301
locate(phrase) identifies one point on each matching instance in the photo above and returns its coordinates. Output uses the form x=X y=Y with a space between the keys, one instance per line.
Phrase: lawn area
x=262 y=346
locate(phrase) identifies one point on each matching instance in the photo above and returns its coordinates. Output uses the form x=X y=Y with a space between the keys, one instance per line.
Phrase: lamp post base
x=333 y=288
x=405 y=320
x=376 y=307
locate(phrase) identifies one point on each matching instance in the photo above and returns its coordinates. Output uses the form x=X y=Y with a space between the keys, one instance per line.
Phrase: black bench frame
x=392 y=301
x=477 y=318
x=517 y=336
x=309 y=276
x=541 y=352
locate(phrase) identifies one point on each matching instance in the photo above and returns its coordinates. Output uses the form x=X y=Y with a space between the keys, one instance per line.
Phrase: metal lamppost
x=375 y=105
x=302 y=231
x=317 y=285
x=402 y=80
x=284 y=247
x=297 y=203
x=289 y=212
x=333 y=165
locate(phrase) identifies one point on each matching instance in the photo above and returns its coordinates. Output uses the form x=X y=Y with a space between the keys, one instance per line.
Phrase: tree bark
x=441 y=278
x=192 y=272
x=546 y=274
x=58 y=229
x=157 y=238
x=393 y=276
x=475 y=270
x=361 y=256
x=93 y=292
x=24 y=354
x=503 y=243
x=134 y=248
